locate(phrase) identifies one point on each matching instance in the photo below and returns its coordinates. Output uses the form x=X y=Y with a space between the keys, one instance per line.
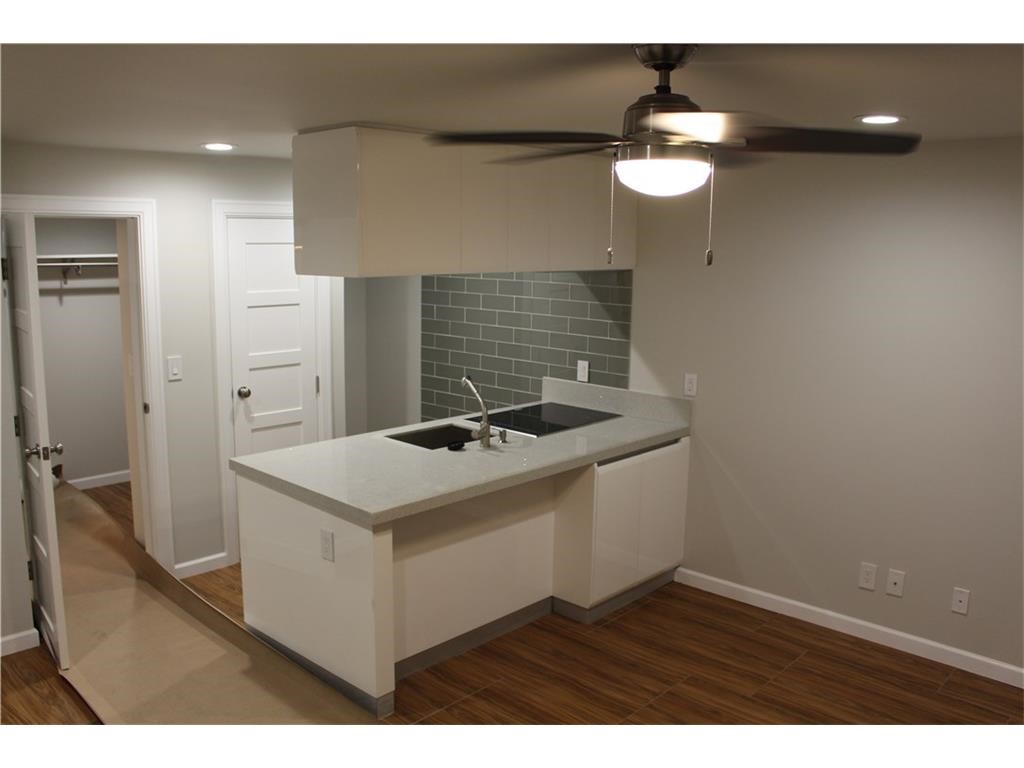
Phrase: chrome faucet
x=484 y=433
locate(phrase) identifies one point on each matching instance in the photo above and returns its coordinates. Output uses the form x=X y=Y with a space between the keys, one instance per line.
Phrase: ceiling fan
x=668 y=142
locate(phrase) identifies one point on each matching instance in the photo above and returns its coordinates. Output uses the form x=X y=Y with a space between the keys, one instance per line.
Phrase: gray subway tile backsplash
x=508 y=330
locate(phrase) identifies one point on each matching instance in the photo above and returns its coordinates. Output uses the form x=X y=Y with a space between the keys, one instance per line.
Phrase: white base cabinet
x=375 y=202
x=620 y=523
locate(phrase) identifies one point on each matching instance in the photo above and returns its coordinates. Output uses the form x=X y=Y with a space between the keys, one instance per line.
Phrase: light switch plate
x=175 y=372
x=582 y=370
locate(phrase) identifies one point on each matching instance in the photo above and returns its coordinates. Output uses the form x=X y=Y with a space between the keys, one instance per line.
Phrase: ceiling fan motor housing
x=639 y=118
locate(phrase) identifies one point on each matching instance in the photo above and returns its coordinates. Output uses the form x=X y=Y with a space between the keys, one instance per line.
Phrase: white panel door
x=20 y=237
x=273 y=338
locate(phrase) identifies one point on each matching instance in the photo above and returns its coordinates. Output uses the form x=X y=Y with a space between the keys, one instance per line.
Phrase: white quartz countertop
x=372 y=480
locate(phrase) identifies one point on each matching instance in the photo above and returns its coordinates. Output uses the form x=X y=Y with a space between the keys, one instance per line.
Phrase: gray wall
x=382 y=354
x=509 y=330
x=82 y=350
x=183 y=187
x=858 y=342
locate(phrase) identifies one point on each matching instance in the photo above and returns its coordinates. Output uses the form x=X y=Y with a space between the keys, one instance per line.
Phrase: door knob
x=244 y=392
x=44 y=452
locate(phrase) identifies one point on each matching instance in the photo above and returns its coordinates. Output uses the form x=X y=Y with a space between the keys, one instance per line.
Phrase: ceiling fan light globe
x=662 y=170
x=663 y=177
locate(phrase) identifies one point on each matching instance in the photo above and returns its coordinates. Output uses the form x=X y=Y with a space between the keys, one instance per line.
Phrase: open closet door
x=20 y=239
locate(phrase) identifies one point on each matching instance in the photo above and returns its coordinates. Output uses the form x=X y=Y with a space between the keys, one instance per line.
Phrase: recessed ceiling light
x=218 y=146
x=879 y=119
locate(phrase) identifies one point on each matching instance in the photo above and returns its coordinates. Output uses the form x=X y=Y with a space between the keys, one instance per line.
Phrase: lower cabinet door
x=639 y=518
x=663 y=483
x=616 y=527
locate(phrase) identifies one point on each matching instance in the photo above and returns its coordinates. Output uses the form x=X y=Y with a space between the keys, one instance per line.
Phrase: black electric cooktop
x=546 y=418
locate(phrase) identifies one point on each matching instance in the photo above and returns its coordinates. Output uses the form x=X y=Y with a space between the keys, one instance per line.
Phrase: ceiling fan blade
x=527 y=137
x=784 y=139
x=545 y=155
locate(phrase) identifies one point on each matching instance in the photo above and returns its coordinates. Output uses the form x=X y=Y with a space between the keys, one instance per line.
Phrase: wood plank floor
x=222 y=589
x=677 y=656
x=116 y=500
x=33 y=693
x=685 y=656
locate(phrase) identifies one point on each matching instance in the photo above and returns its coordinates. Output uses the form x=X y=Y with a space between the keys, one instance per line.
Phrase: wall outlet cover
x=582 y=370
x=327 y=545
x=690 y=385
x=867 y=576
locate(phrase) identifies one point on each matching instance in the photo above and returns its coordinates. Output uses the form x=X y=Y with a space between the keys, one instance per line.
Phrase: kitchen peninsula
x=367 y=558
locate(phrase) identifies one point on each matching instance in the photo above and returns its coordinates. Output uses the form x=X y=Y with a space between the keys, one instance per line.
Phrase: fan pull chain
x=709 y=255
x=611 y=216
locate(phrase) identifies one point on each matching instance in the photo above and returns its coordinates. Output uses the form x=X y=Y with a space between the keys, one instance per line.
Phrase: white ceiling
x=175 y=97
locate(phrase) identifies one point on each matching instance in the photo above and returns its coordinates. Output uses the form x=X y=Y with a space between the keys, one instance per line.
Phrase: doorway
x=81 y=301
x=273 y=344
x=86 y=326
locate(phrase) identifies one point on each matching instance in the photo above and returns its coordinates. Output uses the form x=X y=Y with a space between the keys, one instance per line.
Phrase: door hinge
x=17 y=426
x=6 y=269
x=31 y=572
x=145 y=407
x=318 y=385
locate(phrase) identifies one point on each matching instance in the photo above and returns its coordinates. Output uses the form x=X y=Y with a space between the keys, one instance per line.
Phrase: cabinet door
x=409 y=204
x=578 y=207
x=485 y=214
x=528 y=217
x=662 y=486
x=616 y=528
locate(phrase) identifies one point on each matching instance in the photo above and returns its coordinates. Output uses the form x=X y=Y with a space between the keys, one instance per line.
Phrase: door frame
x=152 y=430
x=223 y=212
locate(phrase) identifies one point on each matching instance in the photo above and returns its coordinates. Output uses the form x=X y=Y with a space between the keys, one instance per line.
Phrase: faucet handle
x=502 y=435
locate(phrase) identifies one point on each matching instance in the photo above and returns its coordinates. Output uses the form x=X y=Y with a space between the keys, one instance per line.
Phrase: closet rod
x=78 y=264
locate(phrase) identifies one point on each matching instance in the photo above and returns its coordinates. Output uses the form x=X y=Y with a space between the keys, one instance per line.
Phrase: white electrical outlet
x=867 y=576
x=582 y=370
x=175 y=370
x=894 y=583
x=690 y=384
x=961 y=597
x=327 y=545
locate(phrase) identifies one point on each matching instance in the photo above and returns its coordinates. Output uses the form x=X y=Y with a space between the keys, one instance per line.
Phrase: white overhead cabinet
x=374 y=202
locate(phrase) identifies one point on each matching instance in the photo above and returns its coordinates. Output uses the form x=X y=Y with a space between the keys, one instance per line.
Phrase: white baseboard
x=203 y=564
x=19 y=641
x=876 y=633
x=95 y=481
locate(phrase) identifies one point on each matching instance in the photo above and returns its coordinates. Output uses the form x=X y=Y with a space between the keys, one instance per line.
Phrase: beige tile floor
x=145 y=650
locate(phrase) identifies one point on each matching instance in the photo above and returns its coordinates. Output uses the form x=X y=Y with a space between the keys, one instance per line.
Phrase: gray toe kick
x=599 y=611
x=380 y=706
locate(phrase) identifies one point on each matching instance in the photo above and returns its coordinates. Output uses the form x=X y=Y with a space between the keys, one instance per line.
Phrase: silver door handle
x=44 y=452
x=244 y=392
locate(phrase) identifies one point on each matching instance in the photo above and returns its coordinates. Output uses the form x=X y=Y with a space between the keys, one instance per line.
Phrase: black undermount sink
x=444 y=436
